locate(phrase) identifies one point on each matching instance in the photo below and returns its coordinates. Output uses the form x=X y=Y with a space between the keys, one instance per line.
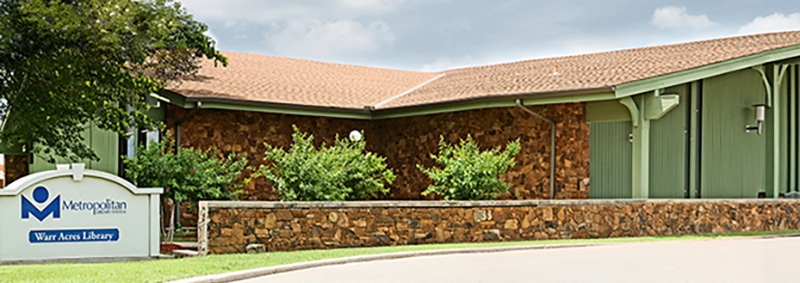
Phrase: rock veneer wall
x=16 y=167
x=408 y=141
x=230 y=227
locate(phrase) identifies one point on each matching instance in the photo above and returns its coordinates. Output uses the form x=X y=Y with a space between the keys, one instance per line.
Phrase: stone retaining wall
x=229 y=226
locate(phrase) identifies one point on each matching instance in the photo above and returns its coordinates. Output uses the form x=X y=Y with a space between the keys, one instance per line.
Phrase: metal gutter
x=552 y=146
x=281 y=108
x=368 y=113
x=174 y=98
x=159 y=97
x=492 y=101
x=407 y=91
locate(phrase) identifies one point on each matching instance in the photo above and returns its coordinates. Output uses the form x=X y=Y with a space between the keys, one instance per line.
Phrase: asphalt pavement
x=708 y=260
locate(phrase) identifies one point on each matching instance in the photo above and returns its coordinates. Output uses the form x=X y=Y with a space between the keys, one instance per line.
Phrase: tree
x=64 y=64
x=468 y=173
x=343 y=171
x=186 y=175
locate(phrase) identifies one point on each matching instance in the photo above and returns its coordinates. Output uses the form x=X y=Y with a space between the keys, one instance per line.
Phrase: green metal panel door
x=611 y=160
x=668 y=150
x=732 y=161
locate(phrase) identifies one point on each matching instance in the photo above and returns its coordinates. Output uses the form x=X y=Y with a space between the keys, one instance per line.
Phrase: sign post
x=74 y=214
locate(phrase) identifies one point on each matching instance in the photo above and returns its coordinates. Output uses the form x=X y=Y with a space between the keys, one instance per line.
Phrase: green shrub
x=188 y=175
x=344 y=171
x=468 y=173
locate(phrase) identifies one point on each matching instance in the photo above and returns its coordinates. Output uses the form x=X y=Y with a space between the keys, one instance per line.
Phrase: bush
x=344 y=171
x=188 y=175
x=469 y=173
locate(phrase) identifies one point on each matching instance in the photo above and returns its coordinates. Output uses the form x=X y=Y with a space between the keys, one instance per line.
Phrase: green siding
x=610 y=155
x=157 y=110
x=693 y=106
x=106 y=146
x=104 y=143
x=606 y=111
x=732 y=160
x=668 y=150
x=5 y=149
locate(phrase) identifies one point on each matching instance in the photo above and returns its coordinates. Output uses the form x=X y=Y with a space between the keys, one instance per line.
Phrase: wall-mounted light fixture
x=355 y=135
x=760 y=109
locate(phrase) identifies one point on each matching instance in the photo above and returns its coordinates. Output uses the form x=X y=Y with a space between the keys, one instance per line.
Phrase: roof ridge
x=408 y=91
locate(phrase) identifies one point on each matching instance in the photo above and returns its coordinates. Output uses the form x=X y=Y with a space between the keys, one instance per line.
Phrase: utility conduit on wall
x=552 y=146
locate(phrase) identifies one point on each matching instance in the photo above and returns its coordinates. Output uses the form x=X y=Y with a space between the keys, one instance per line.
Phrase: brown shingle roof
x=589 y=71
x=301 y=82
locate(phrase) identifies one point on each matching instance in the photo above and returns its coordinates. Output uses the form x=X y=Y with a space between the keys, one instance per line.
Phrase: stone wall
x=16 y=167
x=408 y=141
x=229 y=227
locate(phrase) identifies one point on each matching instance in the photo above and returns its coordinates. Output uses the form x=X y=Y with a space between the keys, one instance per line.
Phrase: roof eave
x=494 y=101
x=706 y=71
x=281 y=108
x=368 y=113
x=224 y=103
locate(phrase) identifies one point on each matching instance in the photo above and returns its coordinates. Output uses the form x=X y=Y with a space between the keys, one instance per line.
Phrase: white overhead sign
x=76 y=213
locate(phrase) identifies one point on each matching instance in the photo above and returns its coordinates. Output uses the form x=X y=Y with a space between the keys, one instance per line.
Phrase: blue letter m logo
x=40 y=195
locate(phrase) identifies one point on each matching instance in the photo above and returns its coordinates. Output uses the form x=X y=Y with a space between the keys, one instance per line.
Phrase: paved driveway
x=718 y=260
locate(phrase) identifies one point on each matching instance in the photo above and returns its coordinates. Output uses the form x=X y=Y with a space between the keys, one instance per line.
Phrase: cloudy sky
x=432 y=35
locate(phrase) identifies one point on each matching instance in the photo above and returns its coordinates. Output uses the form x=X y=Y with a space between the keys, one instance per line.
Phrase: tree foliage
x=188 y=174
x=344 y=171
x=64 y=64
x=467 y=173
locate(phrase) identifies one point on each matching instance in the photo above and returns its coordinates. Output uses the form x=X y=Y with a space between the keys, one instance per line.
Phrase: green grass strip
x=165 y=270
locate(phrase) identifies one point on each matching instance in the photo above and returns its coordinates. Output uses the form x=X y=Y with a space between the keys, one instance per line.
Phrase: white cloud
x=275 y=10
x=772 y=23
x=371 y=6
x=312 y=29
x=672 y=17
x=321 y=39
x=445 y=63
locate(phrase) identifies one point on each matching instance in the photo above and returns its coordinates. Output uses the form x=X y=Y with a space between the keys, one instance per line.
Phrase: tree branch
x=7 y=112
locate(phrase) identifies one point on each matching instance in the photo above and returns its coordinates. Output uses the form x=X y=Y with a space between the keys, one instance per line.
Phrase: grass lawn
x=165 y=270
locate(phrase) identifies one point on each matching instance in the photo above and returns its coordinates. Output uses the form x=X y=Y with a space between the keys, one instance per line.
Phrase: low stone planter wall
x=230 y=226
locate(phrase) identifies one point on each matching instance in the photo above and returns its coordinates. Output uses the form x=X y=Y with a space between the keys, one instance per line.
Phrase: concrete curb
x=252 y=273
x=247 y=274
